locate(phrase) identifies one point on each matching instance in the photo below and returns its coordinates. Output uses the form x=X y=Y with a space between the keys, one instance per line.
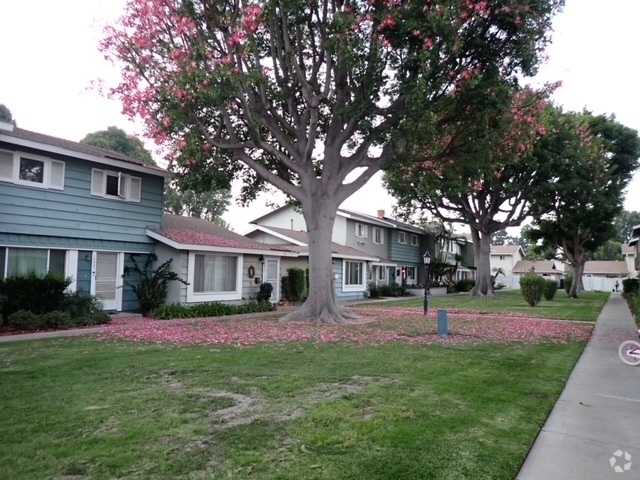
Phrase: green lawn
x=83 y=408
x=586 y=308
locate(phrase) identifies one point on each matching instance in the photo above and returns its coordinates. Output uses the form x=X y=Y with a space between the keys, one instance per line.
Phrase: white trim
x=47 y=168
x=84 y=156
x=277 y=235
x=71 y=269
x=196 y=297
x=373 y=235
x=125 y=181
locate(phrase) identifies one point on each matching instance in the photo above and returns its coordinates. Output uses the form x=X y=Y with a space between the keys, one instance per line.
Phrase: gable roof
x=603 y=267
x=298 y=241
x=187 y=233
x=537 y=266
x=506 y=249
x=628 y=250
x=20 y=137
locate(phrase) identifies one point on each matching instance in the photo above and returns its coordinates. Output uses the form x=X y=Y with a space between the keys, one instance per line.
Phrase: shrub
x=264 y=293
x=550 y=289
x=85 y=309
x=630 y=286
x=210 y=309
x=32 y=292
x=374 y=290
x=532 y=287
x=26 y=320
x=151 y=287
x=296 y=283
x=567 y=284
x=394 y=290
x=465 y=285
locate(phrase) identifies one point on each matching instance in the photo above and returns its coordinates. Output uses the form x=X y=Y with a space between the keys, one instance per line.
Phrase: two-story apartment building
x=75 y=209
x=366 y=248
x=506 y=257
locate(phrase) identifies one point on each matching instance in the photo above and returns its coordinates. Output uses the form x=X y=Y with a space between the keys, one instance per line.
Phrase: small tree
x=550 y=289
x=264 y=293
x=151 y=288
x=532 y=287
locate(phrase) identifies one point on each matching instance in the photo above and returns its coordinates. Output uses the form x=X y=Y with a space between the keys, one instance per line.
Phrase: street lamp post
x=427 y=268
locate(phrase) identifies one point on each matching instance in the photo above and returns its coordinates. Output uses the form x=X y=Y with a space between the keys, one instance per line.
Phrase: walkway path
x=598 y=412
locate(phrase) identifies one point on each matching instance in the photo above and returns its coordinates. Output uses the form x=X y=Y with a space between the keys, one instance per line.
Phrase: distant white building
x=549 y=269
x=629 y=254
x=506 y=257
x=602 y=275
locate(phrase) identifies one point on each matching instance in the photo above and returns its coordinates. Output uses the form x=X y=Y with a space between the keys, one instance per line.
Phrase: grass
x=84 y=408
x=562 y=307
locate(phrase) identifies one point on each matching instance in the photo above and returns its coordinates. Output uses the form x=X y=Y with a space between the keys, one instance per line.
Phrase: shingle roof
x=194 y=231
x=612 y=267
x=539 y=266
x=20 y=133
x=336 y=248
x=628 y=249
x=504 y=249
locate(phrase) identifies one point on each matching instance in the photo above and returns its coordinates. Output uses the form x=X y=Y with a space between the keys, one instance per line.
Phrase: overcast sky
x=49 y=60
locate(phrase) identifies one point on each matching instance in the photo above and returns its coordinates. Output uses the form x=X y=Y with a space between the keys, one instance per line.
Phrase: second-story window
x=402 y=237
x=378 y=236
x=414 y=240
x=31 y=170
x=361 y=230
x=105 y=183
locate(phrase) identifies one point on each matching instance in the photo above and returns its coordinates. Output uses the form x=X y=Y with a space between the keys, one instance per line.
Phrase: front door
x=105 y=279
x=273 y=269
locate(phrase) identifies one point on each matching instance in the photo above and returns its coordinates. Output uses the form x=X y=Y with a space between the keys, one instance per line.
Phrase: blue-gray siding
x=405 y=253
x=75 y=213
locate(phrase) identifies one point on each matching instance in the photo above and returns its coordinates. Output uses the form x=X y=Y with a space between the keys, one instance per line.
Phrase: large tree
x=489 y=176
x=299 y=94
x=209 y=205
x=597 y=157
x=116 y=139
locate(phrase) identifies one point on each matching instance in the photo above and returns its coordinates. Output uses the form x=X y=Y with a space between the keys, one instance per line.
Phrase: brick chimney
x=380 y=213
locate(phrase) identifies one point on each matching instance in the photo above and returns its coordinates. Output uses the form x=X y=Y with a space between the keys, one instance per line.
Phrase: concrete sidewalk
x=598 y=412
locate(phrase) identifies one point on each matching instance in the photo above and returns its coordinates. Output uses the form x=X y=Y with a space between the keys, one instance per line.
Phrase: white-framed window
x=501 y=257
x=402 y=237
x=382 y=273
x=361 y=230
x=31 y=170
x=411 y=274
x=214 y=276
x=414 y=240
x=378 y=236
x=108 y=184
x=20 y=261
x=354 y=275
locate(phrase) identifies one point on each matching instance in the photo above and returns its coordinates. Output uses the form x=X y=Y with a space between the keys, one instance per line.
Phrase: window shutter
x=97 y=182
x=6 y=166
x=56 y=178
x=135 y=188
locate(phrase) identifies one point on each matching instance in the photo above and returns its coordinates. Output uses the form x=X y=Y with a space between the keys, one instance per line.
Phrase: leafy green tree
x=489 y=174
x=116 y=139
x=598 y=157
x=624 y=224
x=299 y=95
x=207 y=205
x=610 y=250
x=5 y=114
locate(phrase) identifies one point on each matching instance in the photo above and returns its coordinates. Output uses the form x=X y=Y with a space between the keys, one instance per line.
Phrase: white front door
x=105 y=279
x=272 y=276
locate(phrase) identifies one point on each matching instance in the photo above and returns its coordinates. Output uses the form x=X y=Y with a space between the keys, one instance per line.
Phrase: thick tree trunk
x=321 y=304
x=482 y=256
x=576 y=284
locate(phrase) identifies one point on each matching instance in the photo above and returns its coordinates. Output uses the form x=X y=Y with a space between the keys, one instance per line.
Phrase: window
x=361 y=230
x=378 y=236
x=414 y=240
x=20 y=261
x=410 y=274
x=115 y=185
x=32 y=170
x=501 y=257
x=214 y=273
x=382 y=273
x=402 y=237
x=354 y=278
